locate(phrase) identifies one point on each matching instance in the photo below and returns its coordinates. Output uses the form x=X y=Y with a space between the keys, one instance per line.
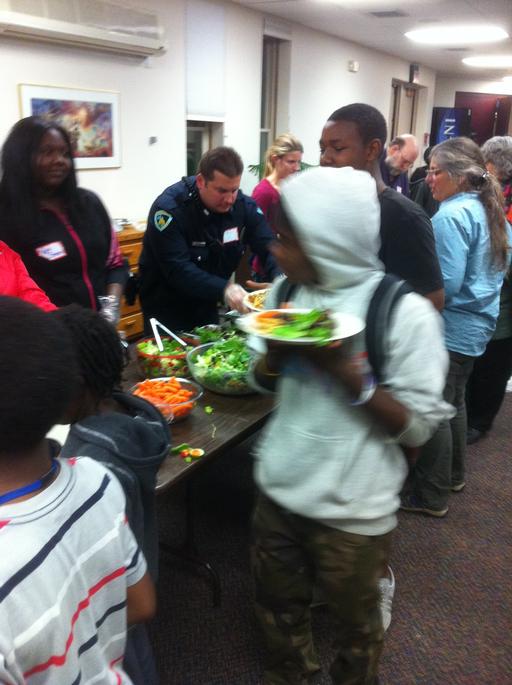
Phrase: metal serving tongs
x=231 y=315
x=155 y=325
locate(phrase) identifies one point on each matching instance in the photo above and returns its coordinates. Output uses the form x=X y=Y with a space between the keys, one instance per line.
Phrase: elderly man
x=401 y=154
x=198 y=230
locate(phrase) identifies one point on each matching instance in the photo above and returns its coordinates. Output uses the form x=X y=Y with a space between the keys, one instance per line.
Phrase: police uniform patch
x=162 y=219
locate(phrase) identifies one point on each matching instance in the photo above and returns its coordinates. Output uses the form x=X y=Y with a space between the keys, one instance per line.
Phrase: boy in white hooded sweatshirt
x=329 y=465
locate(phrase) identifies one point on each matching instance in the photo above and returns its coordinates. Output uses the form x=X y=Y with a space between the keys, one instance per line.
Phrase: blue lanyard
x=31 y=487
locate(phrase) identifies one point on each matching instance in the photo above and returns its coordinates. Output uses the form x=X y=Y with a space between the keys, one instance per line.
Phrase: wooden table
x=234 y=418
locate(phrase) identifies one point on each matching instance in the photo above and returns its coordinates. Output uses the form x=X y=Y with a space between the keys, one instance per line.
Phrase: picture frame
x=91 y=117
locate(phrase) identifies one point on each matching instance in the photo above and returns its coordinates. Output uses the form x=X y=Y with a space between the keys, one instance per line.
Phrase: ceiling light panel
x=457 y=35
x=489 y=61
x=389 y=7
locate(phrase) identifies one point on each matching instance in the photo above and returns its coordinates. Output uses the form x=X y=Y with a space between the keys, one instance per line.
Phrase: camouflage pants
x=290 y=554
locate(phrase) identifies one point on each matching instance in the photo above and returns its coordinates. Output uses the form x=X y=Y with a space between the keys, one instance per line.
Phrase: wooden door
x=490 y=114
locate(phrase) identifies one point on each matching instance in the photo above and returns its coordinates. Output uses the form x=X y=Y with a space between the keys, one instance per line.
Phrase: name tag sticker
x=52 y=251
x=230 y=235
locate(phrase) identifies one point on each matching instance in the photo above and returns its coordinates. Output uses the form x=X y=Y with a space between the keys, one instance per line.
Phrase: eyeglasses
x=434 y=172
x=409 y=162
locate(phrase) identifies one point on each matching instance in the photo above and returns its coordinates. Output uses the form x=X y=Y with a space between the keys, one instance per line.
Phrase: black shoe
x=411 y=503
x=474 y=435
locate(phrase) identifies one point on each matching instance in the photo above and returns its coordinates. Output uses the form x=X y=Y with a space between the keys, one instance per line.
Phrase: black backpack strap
x=285 y=291
x=384 y=299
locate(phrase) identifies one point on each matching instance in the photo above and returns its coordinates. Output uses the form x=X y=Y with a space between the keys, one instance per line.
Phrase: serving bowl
x=212 y=332
x=156 y=364
x=201 y=335
x=211 y=367
x=171 y=411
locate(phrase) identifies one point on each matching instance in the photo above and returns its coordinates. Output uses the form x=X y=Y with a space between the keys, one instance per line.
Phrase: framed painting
x=90 y=117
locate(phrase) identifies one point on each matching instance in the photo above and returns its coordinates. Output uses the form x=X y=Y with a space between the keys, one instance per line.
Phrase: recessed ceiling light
x=489 y=61
x=457 y=35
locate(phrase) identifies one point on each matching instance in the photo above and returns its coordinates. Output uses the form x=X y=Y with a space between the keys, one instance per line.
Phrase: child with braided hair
x=128 y=435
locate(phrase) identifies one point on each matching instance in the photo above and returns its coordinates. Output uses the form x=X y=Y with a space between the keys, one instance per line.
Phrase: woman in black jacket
x=419 y=190
x=63 y=233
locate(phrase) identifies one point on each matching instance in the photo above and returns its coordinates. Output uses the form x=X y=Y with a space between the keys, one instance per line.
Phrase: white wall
x=151 y=104
x=244 y=48
x=153 y=98
x=321 y=82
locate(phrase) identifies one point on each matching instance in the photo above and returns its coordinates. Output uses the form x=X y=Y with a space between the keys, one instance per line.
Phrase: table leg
x=187 y=550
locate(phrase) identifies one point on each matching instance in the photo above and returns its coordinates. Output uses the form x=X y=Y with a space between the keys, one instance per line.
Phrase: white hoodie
x=320 y=456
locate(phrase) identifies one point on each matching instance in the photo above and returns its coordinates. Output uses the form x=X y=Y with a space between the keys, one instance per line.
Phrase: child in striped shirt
x=71 y=573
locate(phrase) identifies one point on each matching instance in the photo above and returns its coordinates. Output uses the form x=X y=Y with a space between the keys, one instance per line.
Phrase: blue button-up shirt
x=471 y=282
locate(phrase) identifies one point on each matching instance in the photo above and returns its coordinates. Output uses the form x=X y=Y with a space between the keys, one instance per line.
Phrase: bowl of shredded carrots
x=174 y=397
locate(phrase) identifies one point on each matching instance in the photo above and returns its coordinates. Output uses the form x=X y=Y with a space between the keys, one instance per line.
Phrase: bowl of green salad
x=155 y=364
x=222 y=366
x=200 y=335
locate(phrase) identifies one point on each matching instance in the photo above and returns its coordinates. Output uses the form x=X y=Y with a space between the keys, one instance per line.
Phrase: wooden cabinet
x=131 y=321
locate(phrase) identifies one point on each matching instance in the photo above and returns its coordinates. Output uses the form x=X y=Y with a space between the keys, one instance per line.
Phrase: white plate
x=345 y=326
x=247 y=299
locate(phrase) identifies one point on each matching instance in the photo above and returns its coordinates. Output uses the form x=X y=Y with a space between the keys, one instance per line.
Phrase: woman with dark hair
x=488 y=382
x=63 y=233
x=472 y=240
x=419 y=189
x=420 y=173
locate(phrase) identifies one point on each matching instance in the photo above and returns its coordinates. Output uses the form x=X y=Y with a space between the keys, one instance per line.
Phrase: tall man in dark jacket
x=198 y=230
x=354 y=135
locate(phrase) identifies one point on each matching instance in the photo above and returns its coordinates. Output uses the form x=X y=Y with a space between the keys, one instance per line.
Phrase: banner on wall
x=449 y=122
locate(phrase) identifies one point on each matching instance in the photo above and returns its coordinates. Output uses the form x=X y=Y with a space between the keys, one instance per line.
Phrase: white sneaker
x=387 y=591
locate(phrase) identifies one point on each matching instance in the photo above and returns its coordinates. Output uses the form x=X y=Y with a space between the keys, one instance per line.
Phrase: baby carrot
x=166 y=392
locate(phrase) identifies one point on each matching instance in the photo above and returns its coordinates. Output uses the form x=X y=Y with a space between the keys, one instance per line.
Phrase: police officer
x=198 y=229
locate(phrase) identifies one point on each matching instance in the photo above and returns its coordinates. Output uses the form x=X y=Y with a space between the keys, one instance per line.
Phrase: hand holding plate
x=254 y=285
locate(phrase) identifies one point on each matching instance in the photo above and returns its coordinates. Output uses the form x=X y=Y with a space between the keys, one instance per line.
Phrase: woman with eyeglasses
x=473 y=241
x=488 y=382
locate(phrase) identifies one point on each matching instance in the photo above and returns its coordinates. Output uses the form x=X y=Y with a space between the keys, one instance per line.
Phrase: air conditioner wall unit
x=31 y=27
